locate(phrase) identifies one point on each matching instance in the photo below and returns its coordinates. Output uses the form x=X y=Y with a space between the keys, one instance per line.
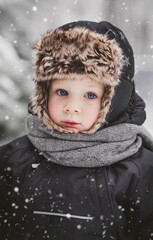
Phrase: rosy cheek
x=52 y=110
x=94 y=115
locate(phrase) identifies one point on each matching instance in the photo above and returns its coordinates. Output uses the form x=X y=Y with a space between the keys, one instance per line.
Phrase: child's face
x=75 y=104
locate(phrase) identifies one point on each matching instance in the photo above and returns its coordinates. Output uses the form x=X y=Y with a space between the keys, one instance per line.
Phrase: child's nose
x=72 y=107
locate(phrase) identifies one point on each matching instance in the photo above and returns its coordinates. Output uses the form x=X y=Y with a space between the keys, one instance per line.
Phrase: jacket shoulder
x=8 y=150
x=17 y=143
x=144 y=160
x=130 y=173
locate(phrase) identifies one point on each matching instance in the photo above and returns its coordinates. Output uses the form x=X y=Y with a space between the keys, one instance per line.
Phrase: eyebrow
x=92 y=86
x=95 y=88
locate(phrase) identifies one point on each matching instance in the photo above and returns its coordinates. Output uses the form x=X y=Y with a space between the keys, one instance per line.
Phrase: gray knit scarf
x=102 y=148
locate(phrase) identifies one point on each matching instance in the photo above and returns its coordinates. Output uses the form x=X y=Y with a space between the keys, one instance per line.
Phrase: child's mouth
x=70 y=123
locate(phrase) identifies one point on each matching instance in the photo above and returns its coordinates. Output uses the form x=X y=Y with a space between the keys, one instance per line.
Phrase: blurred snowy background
x=23 y=21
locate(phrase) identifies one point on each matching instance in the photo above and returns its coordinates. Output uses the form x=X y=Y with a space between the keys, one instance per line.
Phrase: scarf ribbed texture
x=102 y=148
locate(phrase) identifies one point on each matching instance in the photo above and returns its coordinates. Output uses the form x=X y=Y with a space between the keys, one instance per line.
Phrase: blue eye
x=91 y=95
x=62 y=92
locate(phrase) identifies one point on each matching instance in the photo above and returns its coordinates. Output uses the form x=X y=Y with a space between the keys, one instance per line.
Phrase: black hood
x=126 y=105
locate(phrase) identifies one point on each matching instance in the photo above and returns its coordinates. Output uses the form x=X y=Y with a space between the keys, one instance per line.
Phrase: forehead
x=80 y=81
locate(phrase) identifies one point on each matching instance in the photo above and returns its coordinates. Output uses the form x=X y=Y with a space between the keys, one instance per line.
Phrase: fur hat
x=98 y=50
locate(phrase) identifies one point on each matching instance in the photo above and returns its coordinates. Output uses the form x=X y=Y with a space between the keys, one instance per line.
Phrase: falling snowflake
x=34 y=8
x=127 y=20
x=16 y=189
x=8 y=169
x=61 y=195
x=45 y=19
x=7 y=117
x=92 y=179
x=75 y=2
x=78 y=226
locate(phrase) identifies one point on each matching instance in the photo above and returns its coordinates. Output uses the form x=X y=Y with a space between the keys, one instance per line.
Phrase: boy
x=85 y=169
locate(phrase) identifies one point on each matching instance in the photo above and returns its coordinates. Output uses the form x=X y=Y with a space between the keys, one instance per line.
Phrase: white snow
x=16 y=189
x=34 y=8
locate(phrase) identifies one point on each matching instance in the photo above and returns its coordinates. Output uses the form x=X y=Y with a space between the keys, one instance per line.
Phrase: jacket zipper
x=68 y=215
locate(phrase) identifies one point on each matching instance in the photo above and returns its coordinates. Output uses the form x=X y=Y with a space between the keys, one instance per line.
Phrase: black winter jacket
x=42 y=200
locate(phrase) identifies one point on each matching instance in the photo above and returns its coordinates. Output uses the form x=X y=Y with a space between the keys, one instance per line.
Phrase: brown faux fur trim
x=79 y=51
x=72 y=54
